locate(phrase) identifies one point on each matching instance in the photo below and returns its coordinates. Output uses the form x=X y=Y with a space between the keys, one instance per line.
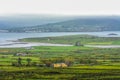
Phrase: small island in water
x=112 y=34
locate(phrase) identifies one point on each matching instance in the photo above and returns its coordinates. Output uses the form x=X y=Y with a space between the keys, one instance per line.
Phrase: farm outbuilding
x=58 y=65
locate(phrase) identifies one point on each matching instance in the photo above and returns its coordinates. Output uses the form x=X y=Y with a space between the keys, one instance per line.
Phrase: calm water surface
x=14 y=36
x=6 y=37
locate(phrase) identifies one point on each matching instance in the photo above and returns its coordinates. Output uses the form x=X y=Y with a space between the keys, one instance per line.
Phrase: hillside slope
x=28 y=20
x=76 y=25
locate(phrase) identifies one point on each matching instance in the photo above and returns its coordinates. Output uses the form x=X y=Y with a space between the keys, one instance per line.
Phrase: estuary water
x=6 y=39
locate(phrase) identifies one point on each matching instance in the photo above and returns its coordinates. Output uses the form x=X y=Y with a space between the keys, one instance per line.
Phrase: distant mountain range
x=65 y=24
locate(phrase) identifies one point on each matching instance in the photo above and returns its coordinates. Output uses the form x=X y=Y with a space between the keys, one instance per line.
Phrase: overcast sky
x=65 y=7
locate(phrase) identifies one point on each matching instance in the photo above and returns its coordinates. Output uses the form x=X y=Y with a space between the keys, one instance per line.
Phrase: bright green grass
x=107 y=68
x=48 y=52
x=79 y=73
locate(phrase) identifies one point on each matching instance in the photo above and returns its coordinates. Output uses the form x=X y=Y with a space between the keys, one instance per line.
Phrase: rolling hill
x=83 y=24
x=28 y=20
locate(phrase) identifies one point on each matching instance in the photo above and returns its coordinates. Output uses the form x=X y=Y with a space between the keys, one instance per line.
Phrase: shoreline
x=20 y=44
x=16 y=44
x=103 y=46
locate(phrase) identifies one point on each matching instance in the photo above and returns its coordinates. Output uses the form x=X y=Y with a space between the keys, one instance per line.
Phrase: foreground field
x=79 y=73
x=86 y=63
x=81 y=63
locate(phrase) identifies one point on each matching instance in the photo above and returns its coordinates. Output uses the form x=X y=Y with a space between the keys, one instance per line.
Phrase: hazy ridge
x=62 y=24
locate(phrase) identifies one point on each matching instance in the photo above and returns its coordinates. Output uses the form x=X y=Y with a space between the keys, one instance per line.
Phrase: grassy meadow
x=84 y=63
x=84 y=39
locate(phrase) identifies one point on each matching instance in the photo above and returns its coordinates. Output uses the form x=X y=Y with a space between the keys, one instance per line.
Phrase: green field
x=84 y=39
x=85 y=63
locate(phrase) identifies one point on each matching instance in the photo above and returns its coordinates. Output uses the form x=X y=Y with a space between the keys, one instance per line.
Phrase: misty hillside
x=77 y=25
x=28 y=20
